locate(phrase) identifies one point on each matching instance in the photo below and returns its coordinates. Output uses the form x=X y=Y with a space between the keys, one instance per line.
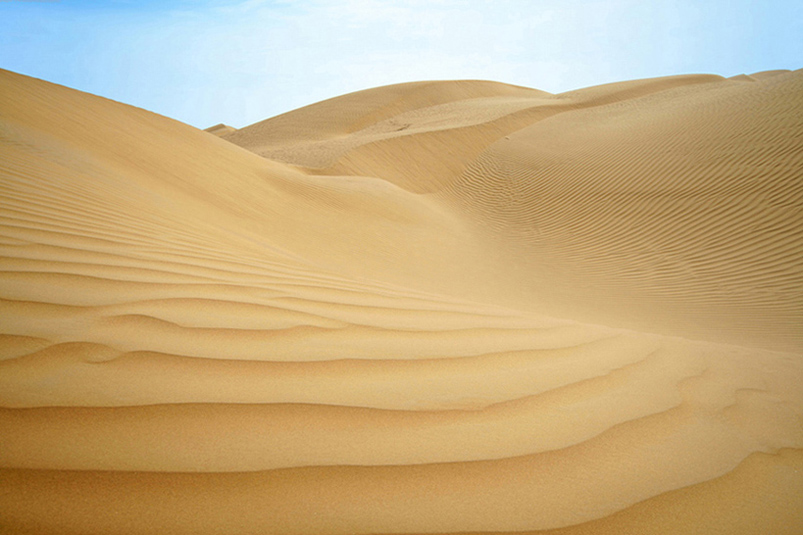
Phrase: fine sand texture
x=457 y=307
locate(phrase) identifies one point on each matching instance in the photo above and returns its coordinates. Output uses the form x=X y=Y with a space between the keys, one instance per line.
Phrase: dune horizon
x=437 y=307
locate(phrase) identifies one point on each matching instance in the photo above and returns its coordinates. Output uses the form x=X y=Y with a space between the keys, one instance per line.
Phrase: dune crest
x=436 y=307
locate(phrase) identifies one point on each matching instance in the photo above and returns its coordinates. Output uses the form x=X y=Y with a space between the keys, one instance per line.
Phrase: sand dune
x=436 y=307
x=220 y=129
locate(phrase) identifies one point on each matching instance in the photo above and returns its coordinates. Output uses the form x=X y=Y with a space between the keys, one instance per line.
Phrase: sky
x=237 y=62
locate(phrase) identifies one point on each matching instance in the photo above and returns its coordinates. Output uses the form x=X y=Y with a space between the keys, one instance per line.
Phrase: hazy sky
x=240 y=61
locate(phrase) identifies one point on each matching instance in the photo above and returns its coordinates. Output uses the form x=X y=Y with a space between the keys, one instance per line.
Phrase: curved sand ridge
x=195 y=339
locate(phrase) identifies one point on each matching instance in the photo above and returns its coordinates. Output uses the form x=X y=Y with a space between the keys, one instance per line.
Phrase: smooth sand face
x=437 y=307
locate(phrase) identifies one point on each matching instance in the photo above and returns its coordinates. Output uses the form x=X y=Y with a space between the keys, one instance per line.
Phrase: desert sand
x=436 y=307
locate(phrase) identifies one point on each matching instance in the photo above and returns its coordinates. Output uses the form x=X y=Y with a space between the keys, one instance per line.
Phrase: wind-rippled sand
x=436 y=307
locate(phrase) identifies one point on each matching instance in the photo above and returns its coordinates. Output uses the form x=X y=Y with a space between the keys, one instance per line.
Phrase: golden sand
x=435 y=307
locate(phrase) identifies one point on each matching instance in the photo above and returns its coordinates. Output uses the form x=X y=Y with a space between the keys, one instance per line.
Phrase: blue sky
x=241 y=61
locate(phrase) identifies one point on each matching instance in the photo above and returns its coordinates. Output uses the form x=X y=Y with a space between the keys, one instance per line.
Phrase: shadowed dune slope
x=438 y=307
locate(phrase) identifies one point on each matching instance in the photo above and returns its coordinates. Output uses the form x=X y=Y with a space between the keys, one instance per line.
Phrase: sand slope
x=440 y=307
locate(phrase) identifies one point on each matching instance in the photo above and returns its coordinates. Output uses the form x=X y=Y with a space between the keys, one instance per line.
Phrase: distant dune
x=220 y=129
x=438 y=307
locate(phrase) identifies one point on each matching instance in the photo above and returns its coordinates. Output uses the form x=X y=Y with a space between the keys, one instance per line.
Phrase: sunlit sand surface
x=436 y=307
